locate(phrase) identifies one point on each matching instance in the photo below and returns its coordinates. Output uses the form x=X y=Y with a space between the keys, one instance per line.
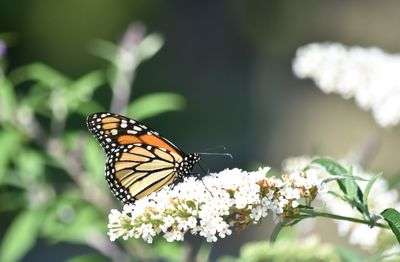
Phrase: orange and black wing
x=139 y=160
x=134 y=171
x=113 y=130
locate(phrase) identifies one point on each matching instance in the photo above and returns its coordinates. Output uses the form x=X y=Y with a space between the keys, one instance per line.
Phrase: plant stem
x=313 y=213
x=276 y=231
x=126 y=72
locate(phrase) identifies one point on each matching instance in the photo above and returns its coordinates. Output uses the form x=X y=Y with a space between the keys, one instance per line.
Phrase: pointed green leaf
x=331 y=166
x=392 y=216
x=104 y=49
x=369 y=187
x=155 y=104
x=348 y=186
x=21 y=235
x=353 y=190
x=334 y=169
x=150 y=45
x=39 y=72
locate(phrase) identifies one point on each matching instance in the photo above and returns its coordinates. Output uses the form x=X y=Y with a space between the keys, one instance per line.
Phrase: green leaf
x=109 y=51
x=392 y=216
x=331 y=166
x=104 y=49
x=82 y=89
x=21 y=235
x=41 y=73
x=369 y=187
x=348 y=186
x=8 y=100
x=150 y=45
x=155 y=104
x=9 y=141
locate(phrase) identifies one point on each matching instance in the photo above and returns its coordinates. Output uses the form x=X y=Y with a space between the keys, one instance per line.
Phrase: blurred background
x=224 y=65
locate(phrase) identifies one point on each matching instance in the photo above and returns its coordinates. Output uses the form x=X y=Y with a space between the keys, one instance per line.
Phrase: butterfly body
x=139 y=160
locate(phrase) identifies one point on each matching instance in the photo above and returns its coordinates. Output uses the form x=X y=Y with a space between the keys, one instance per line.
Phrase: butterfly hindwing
x=134 y=171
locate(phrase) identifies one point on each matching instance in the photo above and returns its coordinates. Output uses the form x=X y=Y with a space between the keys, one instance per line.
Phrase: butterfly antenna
x=216 y=154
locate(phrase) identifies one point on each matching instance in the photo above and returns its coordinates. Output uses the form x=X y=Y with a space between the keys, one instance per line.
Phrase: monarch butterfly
x=139 y=160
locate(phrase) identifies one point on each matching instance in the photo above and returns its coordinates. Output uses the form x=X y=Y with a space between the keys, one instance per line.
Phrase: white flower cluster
x=232 y=199
x=380 y=198
x=368 y=74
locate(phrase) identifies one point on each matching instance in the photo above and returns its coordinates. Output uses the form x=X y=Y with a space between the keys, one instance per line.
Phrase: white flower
x=368 y=74
x=116 y=219
x=256 y=213
x=233 y=199
x=291 y=193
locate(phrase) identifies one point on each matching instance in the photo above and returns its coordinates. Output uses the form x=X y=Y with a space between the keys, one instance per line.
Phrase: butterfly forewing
x=139 y=160
x=113 y=130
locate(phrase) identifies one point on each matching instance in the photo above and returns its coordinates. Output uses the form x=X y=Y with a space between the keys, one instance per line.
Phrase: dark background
x=231 y=60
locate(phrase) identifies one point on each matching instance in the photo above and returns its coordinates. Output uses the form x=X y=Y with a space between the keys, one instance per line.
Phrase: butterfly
x=139 y=160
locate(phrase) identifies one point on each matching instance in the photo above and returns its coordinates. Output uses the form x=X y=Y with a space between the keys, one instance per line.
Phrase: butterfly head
x=186 y=166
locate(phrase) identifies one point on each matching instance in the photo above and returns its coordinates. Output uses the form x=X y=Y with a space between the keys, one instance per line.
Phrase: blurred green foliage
x=52 y=183
x=286 y=248
x=289 y=248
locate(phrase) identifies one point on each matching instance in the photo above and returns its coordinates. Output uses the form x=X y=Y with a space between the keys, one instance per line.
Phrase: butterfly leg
x=176 y=181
